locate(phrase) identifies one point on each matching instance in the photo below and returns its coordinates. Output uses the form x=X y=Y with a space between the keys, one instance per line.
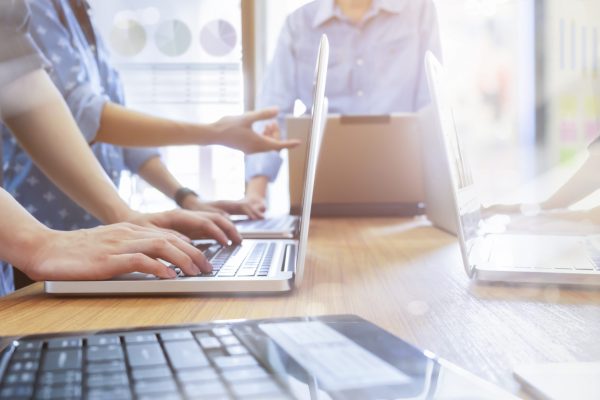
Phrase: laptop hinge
x=289 y=259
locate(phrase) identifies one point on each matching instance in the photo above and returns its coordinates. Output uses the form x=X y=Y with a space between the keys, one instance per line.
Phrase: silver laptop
x=488 y=256
x=437 y=179
x=276 y=227
x=253 y=266
x=360 y=152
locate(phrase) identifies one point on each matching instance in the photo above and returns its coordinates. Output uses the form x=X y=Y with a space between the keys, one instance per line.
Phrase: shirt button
x=360 y=62
x=360 y=93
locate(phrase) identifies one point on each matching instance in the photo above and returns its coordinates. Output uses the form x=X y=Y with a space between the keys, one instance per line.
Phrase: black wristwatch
x=182 y=193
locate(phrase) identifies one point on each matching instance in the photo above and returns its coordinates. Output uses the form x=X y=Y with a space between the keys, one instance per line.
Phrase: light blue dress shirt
x=376 y=66
x=87 y=81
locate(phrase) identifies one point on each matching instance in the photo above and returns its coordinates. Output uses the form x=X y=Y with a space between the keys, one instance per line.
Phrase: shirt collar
x=327 y=9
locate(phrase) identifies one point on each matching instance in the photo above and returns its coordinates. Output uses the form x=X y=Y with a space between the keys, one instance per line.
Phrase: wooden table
x=401 y=274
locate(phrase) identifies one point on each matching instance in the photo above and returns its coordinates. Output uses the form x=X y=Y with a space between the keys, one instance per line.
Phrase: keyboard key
x=19 y=378
x=227 y=273
x=16 y=392
x=222 y=331
x=234 y=362
x=151 y=373
x=229 y=340
x=108 y=393
x=212 y=397
x=65 y=343
x=270 y=396
x=176 y=335
x=186 y=354
x=111 y=366
x=205 y=389
x=244 y=374
x=247 y=272
x=58 y=392
x=21 y=355
x=257 y=388
x=104 y=353
x=155 y=387
x=209 y=343
x=62 y=359
x=133 y=338
x=163 y=396
x=145 y=355
x=27 y=365
x=197 y=375
x=30 y=344
x=60 y=378
x=103 y=340
x=109 y=379
x=236 y=350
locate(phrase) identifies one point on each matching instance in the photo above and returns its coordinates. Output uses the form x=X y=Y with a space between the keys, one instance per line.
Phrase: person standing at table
x=82 y=71
x=34 y=110
x=376 y=65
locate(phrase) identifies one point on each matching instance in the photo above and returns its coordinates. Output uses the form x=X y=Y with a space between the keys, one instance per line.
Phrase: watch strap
x=182 y=193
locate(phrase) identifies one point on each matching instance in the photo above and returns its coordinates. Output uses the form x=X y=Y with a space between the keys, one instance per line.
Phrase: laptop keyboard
x=169 y=364
x=241 y=260
x=275 y=224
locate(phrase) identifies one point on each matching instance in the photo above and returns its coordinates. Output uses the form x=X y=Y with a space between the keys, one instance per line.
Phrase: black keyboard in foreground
x=208 y=363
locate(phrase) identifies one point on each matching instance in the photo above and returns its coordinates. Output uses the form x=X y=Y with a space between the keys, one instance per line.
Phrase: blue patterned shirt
x=87 y=81
x=18 y=57
x=376 y=66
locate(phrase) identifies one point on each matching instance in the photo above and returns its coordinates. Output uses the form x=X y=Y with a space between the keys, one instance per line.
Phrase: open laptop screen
x=465 y=201
x=318 y=115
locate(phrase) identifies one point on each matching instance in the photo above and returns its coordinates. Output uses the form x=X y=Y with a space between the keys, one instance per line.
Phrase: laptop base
x=536 y=276
x=365 y=210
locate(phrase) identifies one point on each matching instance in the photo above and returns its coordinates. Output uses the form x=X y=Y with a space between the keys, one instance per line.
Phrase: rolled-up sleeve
x=75 y=84
x=279 y=89
x=263 y=164
x=18 y=53
x=136 y=157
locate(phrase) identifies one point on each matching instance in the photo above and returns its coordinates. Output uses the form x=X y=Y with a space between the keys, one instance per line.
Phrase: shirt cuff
x=135 y=158
x=19 y=59
x=263 y=164
x=87 y=107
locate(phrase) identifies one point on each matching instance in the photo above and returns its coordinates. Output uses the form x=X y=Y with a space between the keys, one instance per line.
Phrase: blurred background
x=525 y=80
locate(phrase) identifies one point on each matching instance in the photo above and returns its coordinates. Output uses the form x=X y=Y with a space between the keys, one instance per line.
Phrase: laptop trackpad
x=135 y=276
x=527 y=251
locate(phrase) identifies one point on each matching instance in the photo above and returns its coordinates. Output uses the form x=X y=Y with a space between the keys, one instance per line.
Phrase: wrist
x=205 y=134
x=189 y=201
x=185 y=197
x=257 y=187
x=27 y=245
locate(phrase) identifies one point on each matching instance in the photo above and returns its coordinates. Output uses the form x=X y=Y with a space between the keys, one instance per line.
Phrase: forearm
x=156 y=174
x=257 y=186
x=124 y=127
x=59 y=149
x=19 y=233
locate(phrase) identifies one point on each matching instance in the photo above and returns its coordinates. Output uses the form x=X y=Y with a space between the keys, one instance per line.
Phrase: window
x=180 y=62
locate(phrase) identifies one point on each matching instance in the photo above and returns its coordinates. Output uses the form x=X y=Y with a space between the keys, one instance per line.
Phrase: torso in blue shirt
x=87 y=81
x=376 y=65
x=57 y=32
